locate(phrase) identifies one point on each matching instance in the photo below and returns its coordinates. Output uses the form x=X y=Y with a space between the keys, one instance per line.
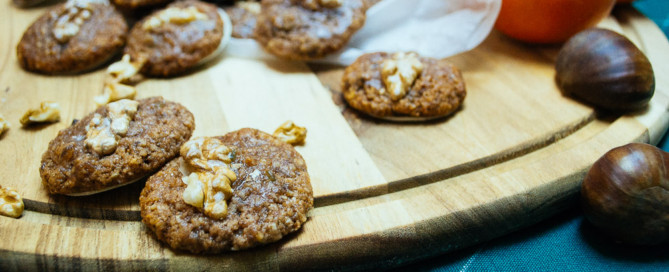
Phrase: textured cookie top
x=174 y=39
x=153 y=137
x=72 y=37
x=436 y=90
x=308 y=29
x=271 y=196
x=243 y=15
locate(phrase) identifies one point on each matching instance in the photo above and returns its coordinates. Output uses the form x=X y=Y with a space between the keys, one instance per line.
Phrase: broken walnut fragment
x=11 y=203
x=114 y=91
x=47 y=112
x=290 y=133
x=103 y=133
x=174 y=15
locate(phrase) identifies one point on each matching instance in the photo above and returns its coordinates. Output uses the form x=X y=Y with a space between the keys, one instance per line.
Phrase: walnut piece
x=174 y=15
x=103 y=133
x=4 y=125
x=114 y=91
x=11 y=203
x=209 y=186
x=47 y=112
x=399 y=72
x=125 y=71
x=122 y=73
x=291 y=133
x=70 y=20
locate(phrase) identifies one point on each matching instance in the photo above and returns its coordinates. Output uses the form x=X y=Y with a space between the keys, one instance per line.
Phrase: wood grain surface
x=385 y=193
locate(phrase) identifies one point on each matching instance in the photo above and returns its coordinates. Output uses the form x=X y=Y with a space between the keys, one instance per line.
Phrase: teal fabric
x=656 y=10
x=562 y=243
x=565 y=242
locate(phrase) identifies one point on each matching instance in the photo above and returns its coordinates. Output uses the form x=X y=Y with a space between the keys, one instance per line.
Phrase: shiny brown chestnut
x=605 y=69
x=626 y=194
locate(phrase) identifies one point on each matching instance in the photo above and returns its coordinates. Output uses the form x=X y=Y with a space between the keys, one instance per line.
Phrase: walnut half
x=209 y=186
x=399 y=72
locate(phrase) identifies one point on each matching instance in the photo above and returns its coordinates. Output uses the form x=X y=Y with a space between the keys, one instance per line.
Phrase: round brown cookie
x=437 y=91
x=306 y=29
x=271 y=197
x=44 y=49
x=169 y=48
x=153 y=138
x=243 y=16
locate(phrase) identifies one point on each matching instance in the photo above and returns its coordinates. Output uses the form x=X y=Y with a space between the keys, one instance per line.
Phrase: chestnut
x=626 y=194
x=605 y=69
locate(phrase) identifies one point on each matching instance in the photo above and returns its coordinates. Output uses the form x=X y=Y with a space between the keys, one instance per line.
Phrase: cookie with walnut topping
x=231 y=192
x=308 y=29
x=403 y=86
x=172 y=40
x=115 y=145
x=73 y=37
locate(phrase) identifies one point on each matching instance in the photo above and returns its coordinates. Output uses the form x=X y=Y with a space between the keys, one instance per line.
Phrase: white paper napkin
x=432 y=28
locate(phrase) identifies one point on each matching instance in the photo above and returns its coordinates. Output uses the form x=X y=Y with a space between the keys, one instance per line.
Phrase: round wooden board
x=385 y=193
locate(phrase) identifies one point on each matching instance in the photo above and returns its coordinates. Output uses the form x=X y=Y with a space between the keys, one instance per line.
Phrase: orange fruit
x=550 y=21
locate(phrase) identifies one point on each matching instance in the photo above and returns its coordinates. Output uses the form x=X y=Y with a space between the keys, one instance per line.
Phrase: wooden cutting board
x=385 y=193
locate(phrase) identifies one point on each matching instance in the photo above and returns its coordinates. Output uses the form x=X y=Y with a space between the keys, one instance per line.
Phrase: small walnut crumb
x=4 y=125
x=209 y=185
x=114 y=91
x=291 y=133
x=47 y=112
x=174 y=15
x=399 y=73
x=11 y=203
x=70 y=20
x=250 y=6
x=103 y=133
x=125 y=71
